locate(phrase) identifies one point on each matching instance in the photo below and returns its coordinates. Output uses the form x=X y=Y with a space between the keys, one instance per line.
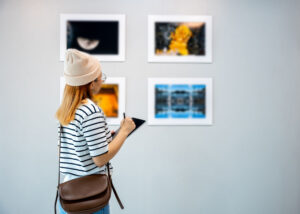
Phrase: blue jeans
x=104 y=210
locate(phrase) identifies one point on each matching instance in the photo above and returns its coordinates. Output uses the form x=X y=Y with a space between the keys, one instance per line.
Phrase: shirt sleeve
x=93 y=128
x=108 y=132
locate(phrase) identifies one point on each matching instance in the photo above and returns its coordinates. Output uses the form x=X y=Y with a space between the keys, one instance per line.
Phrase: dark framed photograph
x=102 y=36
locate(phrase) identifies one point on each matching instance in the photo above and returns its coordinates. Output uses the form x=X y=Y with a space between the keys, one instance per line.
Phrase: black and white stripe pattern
x=87 y=136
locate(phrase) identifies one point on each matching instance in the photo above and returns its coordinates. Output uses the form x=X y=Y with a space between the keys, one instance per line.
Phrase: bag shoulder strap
x=58 y=181
x=113 y=188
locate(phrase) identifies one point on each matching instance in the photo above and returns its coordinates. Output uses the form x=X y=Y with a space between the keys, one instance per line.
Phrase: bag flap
x=83 y=187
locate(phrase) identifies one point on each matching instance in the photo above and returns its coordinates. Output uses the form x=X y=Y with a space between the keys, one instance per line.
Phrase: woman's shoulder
x=87 y=109
x=88 y=112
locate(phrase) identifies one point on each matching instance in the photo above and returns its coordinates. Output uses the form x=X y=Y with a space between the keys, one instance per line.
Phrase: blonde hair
x=73 y=97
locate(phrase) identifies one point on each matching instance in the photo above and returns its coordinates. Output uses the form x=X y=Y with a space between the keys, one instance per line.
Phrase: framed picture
x=180 y=39
x=97 y=34
x=180 y=101
x=111 y=98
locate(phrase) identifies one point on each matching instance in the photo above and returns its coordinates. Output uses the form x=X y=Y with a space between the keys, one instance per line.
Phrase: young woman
x=86 y=141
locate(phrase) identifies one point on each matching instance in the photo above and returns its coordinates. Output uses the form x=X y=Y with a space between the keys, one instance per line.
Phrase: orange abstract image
x=107 y=99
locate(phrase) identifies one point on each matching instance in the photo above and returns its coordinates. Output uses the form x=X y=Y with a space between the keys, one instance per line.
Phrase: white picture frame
x=121 y=82
x=169 y=105
x=165 y=56
x=119 y=18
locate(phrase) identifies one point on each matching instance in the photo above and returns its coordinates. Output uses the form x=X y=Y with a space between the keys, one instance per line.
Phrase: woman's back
x=85 y=137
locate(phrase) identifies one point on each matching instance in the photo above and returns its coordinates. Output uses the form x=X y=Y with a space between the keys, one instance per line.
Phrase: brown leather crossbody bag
x=86 y=194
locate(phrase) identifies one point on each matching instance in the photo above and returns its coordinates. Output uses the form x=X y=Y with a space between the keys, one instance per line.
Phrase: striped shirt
x=85 y=137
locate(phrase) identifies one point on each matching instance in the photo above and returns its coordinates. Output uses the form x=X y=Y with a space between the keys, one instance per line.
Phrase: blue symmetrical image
x=180 y=101
x=161 y=101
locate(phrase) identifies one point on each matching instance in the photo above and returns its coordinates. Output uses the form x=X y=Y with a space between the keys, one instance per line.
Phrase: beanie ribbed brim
x=82 y=80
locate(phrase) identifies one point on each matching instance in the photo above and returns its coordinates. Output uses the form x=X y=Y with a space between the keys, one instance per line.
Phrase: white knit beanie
x=80 y=68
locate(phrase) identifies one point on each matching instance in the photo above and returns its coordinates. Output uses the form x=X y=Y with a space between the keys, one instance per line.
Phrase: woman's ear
x=92 y=86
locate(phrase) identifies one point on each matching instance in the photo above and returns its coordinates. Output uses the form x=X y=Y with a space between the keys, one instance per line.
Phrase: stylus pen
x=124 y=114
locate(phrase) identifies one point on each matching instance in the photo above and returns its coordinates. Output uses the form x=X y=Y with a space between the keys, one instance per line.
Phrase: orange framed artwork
x=111 y=98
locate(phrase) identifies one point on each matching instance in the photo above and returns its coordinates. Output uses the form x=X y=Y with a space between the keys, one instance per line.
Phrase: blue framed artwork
x=180 y=101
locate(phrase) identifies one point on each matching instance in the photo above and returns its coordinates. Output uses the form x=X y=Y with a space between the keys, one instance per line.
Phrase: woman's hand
x=127 y=125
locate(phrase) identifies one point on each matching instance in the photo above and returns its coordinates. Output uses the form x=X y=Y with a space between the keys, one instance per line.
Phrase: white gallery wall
x=247 y=162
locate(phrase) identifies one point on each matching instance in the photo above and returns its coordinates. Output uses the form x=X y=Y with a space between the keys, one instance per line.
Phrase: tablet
x=138 y=122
